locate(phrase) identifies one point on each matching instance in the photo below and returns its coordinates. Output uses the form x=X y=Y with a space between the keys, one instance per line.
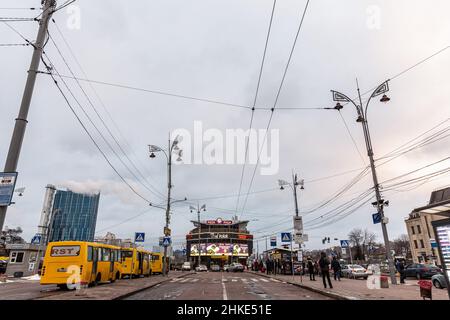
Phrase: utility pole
x=198 y=209
x=173 y=146
x=21 y=122
x=362 y=118
x=169 y=188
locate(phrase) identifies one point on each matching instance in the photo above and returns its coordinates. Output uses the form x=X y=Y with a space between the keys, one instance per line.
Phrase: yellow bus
x=135 y=262
x=156 y=263
x=73 y=262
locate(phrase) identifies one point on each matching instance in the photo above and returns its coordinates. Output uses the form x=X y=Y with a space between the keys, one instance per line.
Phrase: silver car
x=439 y=281
x=201 y=268
x=354 y=271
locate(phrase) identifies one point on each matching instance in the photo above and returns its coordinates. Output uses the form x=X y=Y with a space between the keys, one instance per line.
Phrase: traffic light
x=328 y=239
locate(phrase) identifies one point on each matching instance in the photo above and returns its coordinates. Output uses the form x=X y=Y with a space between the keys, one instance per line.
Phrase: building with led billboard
x=219 y=242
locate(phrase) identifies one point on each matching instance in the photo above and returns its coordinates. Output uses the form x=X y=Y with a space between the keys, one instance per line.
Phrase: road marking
x=185 y=280
x=274 y=280
x=254 y=280
x=265 y=280
x=224 y=290
x=234 y=280
x=195 y=280
x=175 y=280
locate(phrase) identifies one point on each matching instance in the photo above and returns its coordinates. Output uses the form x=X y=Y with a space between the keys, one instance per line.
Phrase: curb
x=325 y=293
x=125 y=295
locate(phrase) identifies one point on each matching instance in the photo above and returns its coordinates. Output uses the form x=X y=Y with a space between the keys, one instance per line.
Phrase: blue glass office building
x=74 y=216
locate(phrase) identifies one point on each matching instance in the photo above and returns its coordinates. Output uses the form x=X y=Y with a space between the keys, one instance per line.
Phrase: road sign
x=345 y=244
x=298 y=224
x=376 y=217
x=285 y=237
x=36 y=239
x=7 y=185
x=139 y=236
x=433 y=243
x=273 y=241
x=344 y=251
x=166 y=241
x=161 y=241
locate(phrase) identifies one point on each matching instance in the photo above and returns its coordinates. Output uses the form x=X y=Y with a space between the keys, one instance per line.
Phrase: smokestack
x=46 y=212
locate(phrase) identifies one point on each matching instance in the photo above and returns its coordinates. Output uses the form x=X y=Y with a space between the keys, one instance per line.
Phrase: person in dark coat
x=268 y=269
x=336 y=266
x=324 y=264
x=310 y=265
x=401 y=269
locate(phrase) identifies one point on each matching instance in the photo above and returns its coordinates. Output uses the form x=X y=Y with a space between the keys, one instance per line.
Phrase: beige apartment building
x=420 y=230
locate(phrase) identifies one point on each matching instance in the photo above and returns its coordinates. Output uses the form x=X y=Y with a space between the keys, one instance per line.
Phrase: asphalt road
x=226 y=286
x=26 y=290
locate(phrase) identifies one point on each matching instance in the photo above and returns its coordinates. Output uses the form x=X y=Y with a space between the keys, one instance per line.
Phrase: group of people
x=322 y=267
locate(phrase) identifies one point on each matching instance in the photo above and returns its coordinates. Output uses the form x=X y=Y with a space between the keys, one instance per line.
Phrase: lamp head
x=152 y=155
x=338 y=106
x=385 y=99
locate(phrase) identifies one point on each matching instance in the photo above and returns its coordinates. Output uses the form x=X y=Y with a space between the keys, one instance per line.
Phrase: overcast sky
x=212 y=49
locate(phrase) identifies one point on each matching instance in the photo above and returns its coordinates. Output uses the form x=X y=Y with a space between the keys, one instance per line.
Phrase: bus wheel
x=98 y=279
x=62 y=286
x=150 y=273
x=118 y=277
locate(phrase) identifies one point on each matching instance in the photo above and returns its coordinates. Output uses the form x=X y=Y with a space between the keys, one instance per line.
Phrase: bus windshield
x=127 y=254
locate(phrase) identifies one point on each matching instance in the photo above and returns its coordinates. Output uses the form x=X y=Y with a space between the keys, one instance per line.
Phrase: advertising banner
x=220 y=249
x=7 y=185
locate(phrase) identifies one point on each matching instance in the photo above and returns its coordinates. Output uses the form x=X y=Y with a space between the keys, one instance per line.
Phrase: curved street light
x=362 y=118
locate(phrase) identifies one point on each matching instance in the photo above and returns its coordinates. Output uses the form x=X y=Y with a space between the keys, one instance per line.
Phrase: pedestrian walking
x=303 y=267
x=268 y=266
x=311 y=270
x=401 y=270
x=336 y=266
x=324 y=264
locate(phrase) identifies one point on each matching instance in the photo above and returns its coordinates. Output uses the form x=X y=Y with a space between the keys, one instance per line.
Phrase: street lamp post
x=293 y=185
x=172 y=148
x=198 y=209
x=362 y=118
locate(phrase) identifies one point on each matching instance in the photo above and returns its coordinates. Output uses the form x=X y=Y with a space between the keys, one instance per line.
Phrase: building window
x=415 y=244
x=17 y=257
x=422 y=245
x=412 y=229
x=418 y=230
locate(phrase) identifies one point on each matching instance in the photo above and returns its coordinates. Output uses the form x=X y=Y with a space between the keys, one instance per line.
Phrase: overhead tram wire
x=153 y=91
x=353 y=139
x=152 y=189
x=88 y=133
x=98 y=130
x=276 y=102
x=18 y=33
x=254 y=105
x=106 y=111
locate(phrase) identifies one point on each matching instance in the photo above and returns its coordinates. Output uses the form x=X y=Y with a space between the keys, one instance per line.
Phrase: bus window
x=106 y=254
x=90 y=253
x=65 y=251
x=127 y=254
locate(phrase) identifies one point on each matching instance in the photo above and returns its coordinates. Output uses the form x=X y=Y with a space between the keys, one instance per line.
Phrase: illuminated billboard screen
x=220 y=249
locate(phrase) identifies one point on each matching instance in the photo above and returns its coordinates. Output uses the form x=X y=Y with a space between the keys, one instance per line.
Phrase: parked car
x=215 y=267
x=373 y=268
x=186 y=266
x=225 y=267
x=354 y=271
x=421 y=271
x=438 y=281
x=201 y=268
x=236 y=267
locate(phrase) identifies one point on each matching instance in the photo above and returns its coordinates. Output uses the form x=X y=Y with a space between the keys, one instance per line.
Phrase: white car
x=354 y=271
x=201 y=268
x=186 y=266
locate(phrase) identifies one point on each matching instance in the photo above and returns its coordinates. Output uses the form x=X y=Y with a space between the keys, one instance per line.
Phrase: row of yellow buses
x=90 y=263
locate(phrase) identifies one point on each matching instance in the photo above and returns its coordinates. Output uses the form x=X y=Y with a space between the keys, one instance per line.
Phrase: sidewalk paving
x=357 y=289
x=117 y=290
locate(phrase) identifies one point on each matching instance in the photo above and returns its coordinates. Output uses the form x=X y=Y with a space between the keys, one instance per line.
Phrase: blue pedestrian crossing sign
x=344 y=244
x=166 y=241
x=139 y=237
x=285 y=237
x=36 y=239
x=376 y=218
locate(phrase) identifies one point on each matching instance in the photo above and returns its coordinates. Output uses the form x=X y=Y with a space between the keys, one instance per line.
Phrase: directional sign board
x=285 y=237
x=7 y=185
x=376 y=217
x=166 y=241
x=139 y=237
x=345 y=244
x=273 y=241
x=36 y=239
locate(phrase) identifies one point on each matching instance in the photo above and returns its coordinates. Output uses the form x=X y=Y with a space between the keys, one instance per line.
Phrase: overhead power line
x=276 y=101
